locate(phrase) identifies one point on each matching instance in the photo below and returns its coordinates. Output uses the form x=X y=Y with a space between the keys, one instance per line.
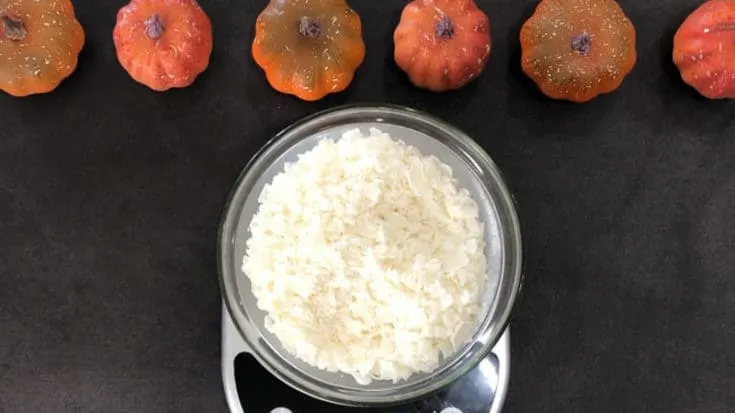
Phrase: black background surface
x=110 y=196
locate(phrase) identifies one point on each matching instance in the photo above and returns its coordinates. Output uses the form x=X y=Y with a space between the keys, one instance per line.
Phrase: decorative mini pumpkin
x=704 y=49
x=442 y=44
x=40 y=41
x=308 y=48
x=163 y=44
x=577 y=49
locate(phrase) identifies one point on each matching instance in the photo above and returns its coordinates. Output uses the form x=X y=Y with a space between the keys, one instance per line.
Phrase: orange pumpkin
x=442 y=44
x=40 y=41
x=163 y=44
x=308 y=48
x=578 y=49
x=704 y=49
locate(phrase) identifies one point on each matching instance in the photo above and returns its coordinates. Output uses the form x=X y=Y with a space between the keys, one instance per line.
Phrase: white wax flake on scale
x=364 y=243
x=281 y=410
x=451 y=409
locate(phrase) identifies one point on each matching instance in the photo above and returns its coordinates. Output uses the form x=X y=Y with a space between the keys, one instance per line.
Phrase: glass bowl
x=474 y=170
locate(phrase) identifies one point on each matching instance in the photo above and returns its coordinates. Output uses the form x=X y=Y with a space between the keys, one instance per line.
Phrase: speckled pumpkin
x=308 y=48
x=704 y=49
x=163 y=44
x=578 y=49
x=40 y=41
x=442 y=44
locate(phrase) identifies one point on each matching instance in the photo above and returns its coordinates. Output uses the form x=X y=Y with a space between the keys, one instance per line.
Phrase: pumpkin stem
x=154 y=26
x=582 y=43
x=445 y=27
x=309 y=27
x=14 y=29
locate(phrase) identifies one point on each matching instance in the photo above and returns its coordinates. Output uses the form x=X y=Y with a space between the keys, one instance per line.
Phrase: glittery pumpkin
x=40 y=41
x=442 y=44
x=704 y=49
x=163 y=44
x=308 y=48
x=577 y=49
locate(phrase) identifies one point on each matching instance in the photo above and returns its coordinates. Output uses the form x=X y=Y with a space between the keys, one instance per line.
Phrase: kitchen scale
x=249 y=388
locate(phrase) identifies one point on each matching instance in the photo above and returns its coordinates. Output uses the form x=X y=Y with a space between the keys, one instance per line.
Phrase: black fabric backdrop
x=110 y=196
